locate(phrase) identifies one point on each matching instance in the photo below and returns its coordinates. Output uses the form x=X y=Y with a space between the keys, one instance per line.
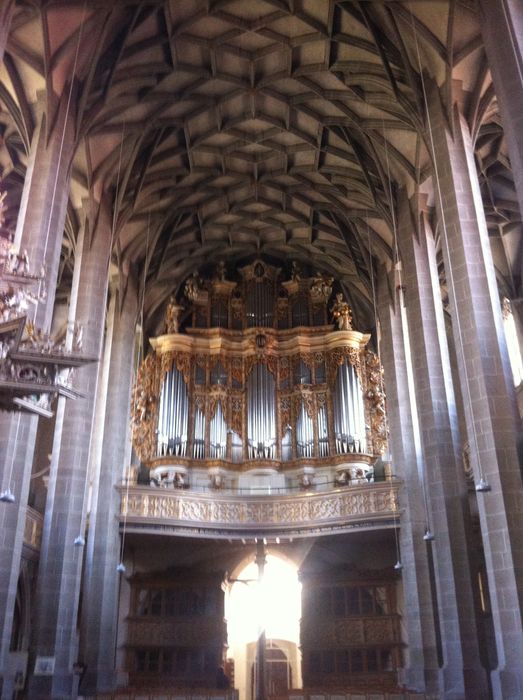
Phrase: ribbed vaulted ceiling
x=222 y=129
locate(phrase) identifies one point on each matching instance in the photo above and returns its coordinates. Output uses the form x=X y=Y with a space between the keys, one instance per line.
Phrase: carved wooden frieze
x=359 y=504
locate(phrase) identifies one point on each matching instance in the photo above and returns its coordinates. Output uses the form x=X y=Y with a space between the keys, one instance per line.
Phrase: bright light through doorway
x=274 y=606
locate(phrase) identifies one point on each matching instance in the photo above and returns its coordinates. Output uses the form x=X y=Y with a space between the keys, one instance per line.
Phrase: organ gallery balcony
x=248 y=513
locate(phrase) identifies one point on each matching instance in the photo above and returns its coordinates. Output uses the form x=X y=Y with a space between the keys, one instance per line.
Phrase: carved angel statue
x=221 y=271
x=341 y=313
x=172 y=316
x=193 y=287
x=295 y=272
x=321 y=287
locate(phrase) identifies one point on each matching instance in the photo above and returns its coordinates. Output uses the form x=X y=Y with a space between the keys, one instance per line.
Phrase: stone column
x=439 y=431
x=48 y=170
x=59 y=574
x=6 y=13
x=103 y=553
x=422 y=671
x=487 y=388
x=501 y=24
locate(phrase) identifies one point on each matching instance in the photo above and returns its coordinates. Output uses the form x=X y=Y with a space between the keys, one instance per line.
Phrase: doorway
x=271 y=608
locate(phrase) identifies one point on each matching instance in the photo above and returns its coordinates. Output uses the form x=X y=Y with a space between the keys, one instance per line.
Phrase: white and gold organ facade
x=259 y=382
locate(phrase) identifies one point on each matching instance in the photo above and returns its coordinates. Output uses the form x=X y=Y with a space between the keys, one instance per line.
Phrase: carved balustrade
x=362 y=506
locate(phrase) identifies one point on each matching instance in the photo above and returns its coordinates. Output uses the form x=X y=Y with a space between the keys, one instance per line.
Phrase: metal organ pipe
x=323 y=441
x=305 y=433
x=218 y=434
x=349 y=415
x=261 y=416
x=360 y=414
x=199 y=434
x=173 y=415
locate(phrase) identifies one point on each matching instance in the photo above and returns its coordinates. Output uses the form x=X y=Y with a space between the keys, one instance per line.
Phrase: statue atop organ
x=259 y=375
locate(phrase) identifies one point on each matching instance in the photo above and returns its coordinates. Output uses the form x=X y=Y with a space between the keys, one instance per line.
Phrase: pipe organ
x=251 y=375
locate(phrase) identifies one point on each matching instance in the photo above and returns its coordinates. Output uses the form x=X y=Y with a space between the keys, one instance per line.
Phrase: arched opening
x=270 y=607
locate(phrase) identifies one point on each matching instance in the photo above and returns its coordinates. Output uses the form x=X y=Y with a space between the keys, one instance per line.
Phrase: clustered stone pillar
x=101 y=575
x=40 y=231
x=439 y=433
x=422 y=671
x=486 y=383
x=59 y=572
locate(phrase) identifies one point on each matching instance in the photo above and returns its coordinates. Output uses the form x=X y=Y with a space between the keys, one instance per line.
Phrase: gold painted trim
x=287 y=342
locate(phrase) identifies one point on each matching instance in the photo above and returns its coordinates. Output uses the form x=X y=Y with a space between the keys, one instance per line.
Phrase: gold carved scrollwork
x=167 y=360
x=375 y=397
x=307 y=397
x=144 y=407
x=237 y=369
x=313 y=359
x=237 y=306
x=285 y=368
x=272 y=364
x=285 y=413
x=321 y=399
x=201 y=360
x=222 y=359
x=337 y=357
x=249 y=363
x=183 y=365
x=216 y=396
x=235 y=417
